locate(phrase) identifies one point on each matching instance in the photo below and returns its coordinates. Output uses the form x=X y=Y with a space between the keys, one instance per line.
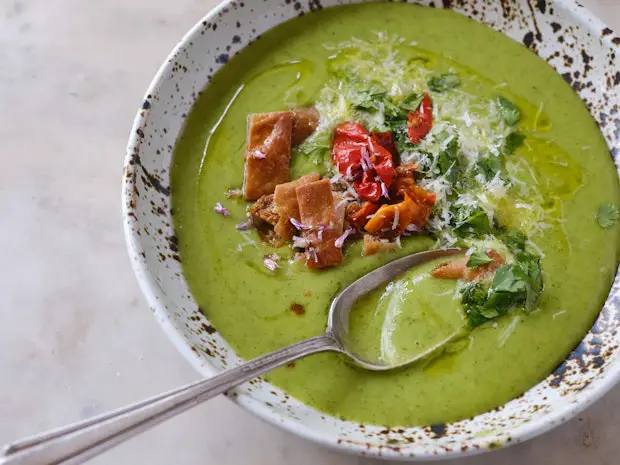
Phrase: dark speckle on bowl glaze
x=584 y=52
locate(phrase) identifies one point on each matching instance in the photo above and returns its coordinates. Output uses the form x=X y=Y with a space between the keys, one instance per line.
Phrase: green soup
x=251 y=307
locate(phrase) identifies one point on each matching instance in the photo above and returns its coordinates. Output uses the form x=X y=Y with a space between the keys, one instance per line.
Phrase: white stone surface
x=76 y=337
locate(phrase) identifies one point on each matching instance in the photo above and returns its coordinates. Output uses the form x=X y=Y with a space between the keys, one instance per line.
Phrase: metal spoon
x=81 y=441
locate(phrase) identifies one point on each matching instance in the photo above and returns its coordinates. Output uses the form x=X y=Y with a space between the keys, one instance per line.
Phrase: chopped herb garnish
x=447 y=159
x=443 y=82
x=478 y=258
x=512 y=142
x=473 y=220
x=514 y=285
x=411 y=102
x=607 y=215
x=515 y=241
x=489 y=166
x=509 y=111
x=314 y=151
x=473 y=299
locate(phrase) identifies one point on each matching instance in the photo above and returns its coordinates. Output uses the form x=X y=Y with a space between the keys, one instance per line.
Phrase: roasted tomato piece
x=420 y=121
x=363 y=160
x=358 y=215
x=385 y=140
x=368 y=188
x=352 y=132
x=347 y=157
x=383 y=164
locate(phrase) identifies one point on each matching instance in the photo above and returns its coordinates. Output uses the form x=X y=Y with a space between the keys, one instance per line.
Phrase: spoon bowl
x=339 y=311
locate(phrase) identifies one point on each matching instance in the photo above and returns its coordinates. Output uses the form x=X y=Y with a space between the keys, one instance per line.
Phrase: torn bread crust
x=268 y=153
x=285 y=199
x=316 y=209
x=265 y=210
x=457 y=269
x=305 y=122
x=373 y=245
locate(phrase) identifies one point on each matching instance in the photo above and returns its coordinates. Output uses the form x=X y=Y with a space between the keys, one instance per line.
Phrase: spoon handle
x=81 y=441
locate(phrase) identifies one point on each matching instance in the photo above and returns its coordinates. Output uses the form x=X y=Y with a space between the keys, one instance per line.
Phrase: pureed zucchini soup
x=344 y=139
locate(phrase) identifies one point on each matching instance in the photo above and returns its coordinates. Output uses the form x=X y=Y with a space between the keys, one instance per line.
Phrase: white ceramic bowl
x=551 y=28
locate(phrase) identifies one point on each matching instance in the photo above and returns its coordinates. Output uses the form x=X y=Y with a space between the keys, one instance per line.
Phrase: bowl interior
x=552 y=29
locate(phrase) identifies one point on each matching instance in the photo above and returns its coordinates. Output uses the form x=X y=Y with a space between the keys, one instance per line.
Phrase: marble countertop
x=76 y=337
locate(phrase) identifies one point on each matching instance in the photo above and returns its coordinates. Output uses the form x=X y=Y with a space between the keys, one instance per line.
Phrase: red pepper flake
x=297 y=309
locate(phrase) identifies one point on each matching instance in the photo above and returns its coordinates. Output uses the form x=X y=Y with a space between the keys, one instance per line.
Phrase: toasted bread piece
x=457 y=269
x=268 y=153
x=285 y=199
x=322 y=225
x=373 y=245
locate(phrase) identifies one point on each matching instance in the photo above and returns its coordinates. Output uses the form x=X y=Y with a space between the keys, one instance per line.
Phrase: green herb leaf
x=512 y=142
x=399 y=132
x=443 y=82
x=489 y=167
x=474 y=220
x=509 y=288
x=489 y=313
x=392 y=112
x=314 y=152
x=509 y=111
x=447 y=160
x=478 y=258
x=509 y=279
x=473 y=298
x=515 y=241
x=411 y=102
x=517 y=284
x=530 y=263
x=607 y=215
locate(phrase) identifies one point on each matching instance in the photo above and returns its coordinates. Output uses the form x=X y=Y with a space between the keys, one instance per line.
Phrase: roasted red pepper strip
x=420 y=122
x=385 y=140
x=362 y=159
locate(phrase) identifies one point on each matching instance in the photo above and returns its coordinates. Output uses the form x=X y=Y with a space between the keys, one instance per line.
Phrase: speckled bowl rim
x=150 y=289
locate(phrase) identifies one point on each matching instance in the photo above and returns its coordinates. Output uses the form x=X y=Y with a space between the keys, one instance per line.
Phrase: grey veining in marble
x=76 y=337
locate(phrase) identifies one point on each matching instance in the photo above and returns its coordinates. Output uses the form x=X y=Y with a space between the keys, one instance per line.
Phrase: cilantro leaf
x=369 y=100
x=530 y=264
x=473 y=298
x=607 y=215
x=509 y=111
x=473 y=220
x=515 y=241
x=517 y=284
x=489 y=166
x=508 y=288
x=443 y=82
x=448 y=160
x=315 y=152
x=478 y=258
x=513 y=142
x=411 y=102
x=489 y=313
x=399 y=133
x=393 y=112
